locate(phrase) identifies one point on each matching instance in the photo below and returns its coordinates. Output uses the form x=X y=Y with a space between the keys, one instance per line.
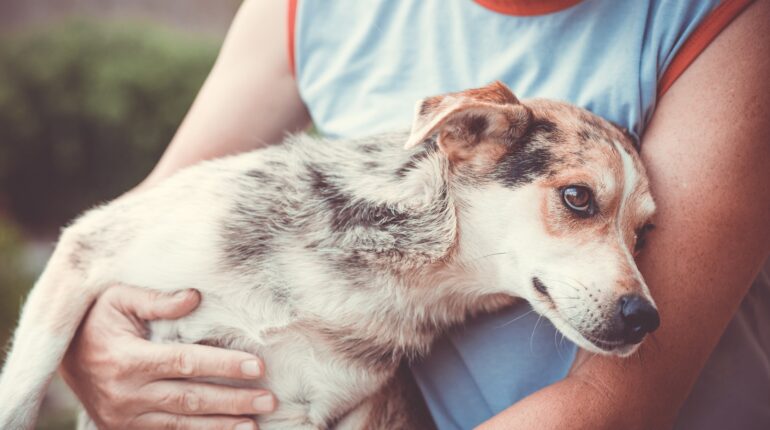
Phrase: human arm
x=707 y=153
x=250 y=98
x=124 y=381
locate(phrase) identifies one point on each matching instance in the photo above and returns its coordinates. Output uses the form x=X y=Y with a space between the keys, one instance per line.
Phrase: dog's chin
x=597 y=346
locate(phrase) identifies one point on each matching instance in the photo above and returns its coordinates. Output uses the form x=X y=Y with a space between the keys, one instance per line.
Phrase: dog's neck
x=392 y=208
x=398 y=216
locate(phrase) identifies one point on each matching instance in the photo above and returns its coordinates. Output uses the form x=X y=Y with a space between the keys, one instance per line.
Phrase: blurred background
x=91 y=92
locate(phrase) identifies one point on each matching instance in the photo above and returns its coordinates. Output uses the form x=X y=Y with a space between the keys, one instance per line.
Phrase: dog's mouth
x=541 y=288
x=605 y=346
x=584 y=340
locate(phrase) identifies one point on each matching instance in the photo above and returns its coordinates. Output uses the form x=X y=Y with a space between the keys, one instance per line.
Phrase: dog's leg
x=397 y=406
x=48 y=322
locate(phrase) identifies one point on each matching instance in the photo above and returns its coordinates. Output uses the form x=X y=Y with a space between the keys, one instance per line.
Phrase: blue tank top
x=361 y=65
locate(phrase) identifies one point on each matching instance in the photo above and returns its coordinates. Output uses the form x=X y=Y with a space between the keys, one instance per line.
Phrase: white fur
x=334 y=291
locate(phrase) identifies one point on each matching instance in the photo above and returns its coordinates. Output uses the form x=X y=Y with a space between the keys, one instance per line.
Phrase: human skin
x=706 y=152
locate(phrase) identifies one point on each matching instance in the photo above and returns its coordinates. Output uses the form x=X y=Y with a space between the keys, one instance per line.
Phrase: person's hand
x=126 y=382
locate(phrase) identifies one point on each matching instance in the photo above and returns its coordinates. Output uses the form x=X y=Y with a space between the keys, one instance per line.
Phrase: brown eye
x=579 y=200
x=641 y=237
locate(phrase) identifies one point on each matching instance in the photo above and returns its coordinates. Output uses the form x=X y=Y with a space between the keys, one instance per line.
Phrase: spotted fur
x=336 y=261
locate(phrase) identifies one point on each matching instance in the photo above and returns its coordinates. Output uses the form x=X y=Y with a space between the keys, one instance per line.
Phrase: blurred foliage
x=14 y=280
x=85 y=111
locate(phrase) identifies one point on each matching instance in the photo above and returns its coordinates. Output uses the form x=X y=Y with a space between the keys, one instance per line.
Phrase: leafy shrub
x=85 y=111
x=14 y=281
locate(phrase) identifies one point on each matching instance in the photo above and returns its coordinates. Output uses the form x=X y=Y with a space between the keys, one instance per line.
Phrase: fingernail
x=251 y=368
x=181 y=294
x=246 y=425
x=264 y=403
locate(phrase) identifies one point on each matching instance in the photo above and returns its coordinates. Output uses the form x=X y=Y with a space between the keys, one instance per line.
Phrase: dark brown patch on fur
x=399 y=405
x=526 y=159
x=249 y=229
x=257 y=174
x=346 y=211
x=587 y=135
x=430 y=104
x=246 y=235
x=428 y=148
x=370 y=148
x=368 y=353
x=475 y=125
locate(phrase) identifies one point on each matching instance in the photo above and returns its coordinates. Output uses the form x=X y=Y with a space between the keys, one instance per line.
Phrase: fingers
x=151 y=305
x=197 y=398
x=168 y=361
x=163 y=421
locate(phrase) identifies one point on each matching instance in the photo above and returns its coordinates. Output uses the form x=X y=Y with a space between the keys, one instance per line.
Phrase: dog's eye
x=641 y=237
x=579 y=200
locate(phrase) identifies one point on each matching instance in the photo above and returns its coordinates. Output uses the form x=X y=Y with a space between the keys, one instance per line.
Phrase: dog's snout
x=638 y=316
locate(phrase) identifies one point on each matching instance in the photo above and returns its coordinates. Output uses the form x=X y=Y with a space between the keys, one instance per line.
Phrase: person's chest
x=361 y=68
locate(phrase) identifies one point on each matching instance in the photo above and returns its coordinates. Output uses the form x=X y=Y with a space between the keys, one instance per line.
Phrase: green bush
x=85 y=111
x=14 y=281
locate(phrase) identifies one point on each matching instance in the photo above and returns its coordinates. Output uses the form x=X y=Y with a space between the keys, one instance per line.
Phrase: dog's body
x=334 y=260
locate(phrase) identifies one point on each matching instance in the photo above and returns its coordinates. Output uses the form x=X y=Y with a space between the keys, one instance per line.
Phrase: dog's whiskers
x=489 y=255
x=515 y=319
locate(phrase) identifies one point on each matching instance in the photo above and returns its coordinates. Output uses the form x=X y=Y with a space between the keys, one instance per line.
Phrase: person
x=688 y=79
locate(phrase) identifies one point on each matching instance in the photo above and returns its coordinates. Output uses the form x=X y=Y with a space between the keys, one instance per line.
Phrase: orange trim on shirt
x=527 y=7
x=706 y=32
x=291 y=16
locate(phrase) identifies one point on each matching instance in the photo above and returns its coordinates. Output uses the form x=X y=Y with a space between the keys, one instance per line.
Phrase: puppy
x=336 y=260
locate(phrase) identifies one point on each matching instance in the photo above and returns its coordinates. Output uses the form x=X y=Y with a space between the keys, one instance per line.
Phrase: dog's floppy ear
x=465 y=119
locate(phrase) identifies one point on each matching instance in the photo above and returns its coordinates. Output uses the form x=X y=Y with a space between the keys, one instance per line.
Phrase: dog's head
x=555 y=202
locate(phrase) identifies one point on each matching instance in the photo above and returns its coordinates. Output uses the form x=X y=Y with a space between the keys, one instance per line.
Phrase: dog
x=336 y=260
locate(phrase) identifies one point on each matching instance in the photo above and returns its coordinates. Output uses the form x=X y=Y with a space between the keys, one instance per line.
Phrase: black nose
x=639 y=318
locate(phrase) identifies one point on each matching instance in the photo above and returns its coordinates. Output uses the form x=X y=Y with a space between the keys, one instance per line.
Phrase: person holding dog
x=686 y=79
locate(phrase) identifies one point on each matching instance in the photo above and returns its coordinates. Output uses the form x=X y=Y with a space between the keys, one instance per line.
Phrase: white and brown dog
x=335 y=260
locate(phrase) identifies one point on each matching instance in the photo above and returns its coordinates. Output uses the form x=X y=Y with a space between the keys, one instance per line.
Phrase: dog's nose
x=639 y=318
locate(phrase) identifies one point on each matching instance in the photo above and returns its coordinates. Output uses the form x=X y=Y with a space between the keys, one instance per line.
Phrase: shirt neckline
x=527 y=7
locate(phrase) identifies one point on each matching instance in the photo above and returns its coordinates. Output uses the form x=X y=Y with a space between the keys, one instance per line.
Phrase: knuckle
x=184 y=363
x=113 y=406
x=154 y=296
x=119 y=367
x=106 y=364
x=111 y=294
x=172 y=422
x=190 y=402
x=110 y=420
x=111 y=398
x=225 y=424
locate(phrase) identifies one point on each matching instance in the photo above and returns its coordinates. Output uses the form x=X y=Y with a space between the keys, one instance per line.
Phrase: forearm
x=572 y=404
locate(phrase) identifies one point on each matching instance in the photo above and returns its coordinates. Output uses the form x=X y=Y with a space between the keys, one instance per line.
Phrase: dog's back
x=279 y=243
x=335 y=260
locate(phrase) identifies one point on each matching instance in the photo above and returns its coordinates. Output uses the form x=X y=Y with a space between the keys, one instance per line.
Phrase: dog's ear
x=464 y=120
